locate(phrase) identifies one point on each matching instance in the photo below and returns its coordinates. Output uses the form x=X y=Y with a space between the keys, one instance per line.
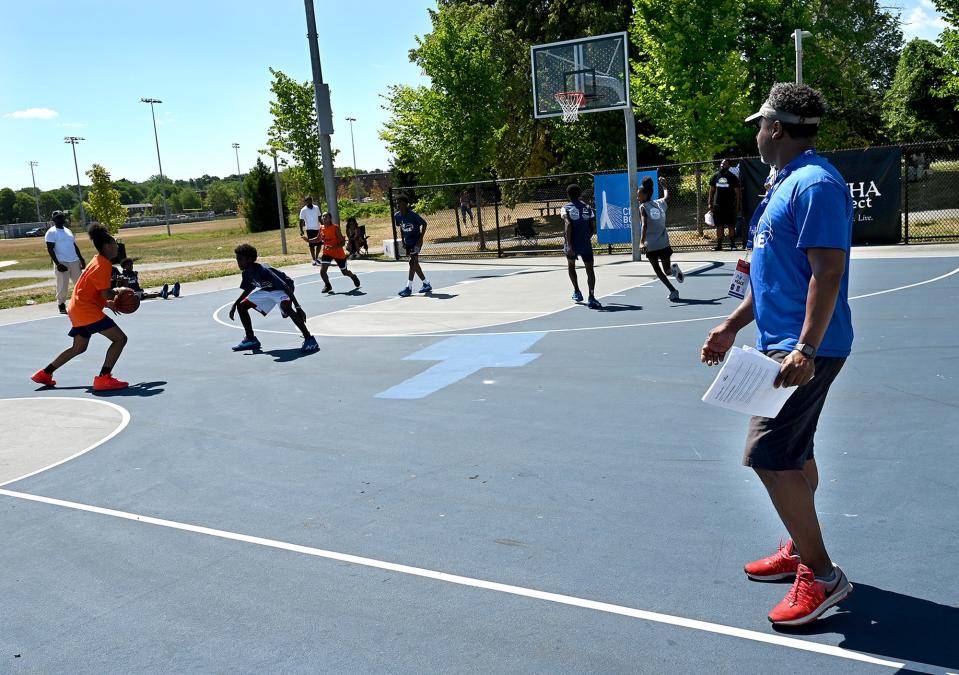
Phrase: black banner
x=874 y=177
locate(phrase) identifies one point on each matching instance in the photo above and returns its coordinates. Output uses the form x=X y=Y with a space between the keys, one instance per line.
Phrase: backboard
x=597 y=66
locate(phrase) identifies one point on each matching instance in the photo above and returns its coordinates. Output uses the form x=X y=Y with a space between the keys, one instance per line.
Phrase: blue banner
x=611 y=192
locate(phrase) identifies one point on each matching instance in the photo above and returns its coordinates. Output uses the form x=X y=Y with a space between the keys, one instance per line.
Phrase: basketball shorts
x=91 y=329
x=264 y=301
x=329 y=260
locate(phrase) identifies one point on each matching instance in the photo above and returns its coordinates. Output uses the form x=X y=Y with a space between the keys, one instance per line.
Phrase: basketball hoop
x=570 y=102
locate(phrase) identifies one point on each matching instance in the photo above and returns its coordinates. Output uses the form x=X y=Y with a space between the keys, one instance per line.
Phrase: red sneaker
x=809 y=598
x=780 y=565
x=44 y=378
x=108 y=383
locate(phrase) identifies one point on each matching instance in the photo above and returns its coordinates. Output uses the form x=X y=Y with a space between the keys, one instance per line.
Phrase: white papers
x=745 y=384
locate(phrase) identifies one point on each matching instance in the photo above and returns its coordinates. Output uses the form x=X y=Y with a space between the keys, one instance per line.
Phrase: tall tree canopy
x=914 y=108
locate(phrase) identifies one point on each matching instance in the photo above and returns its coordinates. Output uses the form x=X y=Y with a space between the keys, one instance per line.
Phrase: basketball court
x=491 y=478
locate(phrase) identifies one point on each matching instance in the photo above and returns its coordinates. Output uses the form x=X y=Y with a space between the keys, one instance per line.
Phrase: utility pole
x=236 y=149
x=36 y=193
x=324 y=114
x=798 y=35
x=356 y=185
x=279 y=204
x=166 y=210
x=73 y=140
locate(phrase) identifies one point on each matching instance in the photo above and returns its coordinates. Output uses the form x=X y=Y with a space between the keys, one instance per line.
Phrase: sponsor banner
x=874 y=177
x=614 y=224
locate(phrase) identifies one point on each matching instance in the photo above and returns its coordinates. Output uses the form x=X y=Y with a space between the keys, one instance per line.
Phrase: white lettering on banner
x=861 y=195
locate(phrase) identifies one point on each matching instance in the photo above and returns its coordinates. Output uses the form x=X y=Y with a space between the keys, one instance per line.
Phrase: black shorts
x=88 y=331
x=659 y=254
x=313 y=234
x=724 y=218
x=582 y=251
x=785 y=442
x=411 y=250
x=329 y=260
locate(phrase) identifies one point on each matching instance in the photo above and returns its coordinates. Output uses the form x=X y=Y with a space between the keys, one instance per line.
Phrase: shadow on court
x=620 y=307
x=694 y=301
x=143 y=389
x=284 y=355
x=897 y=626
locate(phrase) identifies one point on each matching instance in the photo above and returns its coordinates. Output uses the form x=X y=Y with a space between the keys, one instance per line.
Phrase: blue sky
x=80 y=67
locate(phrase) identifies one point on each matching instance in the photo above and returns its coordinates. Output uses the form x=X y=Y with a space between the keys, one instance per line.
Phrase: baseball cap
x=772 y=113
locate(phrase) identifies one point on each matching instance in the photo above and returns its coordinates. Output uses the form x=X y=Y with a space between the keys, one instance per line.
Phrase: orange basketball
x=126 y=301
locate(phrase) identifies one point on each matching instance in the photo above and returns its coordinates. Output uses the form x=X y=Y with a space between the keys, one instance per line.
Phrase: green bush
x=259 y=202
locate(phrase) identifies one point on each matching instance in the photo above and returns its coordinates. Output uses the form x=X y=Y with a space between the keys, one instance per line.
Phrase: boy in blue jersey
x=579 y=226
x=412 y=228
x=263 y=289
x=798 y=296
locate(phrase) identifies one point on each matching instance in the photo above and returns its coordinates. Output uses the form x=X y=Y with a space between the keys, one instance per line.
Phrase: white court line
x=668 y=619
x=124 y=421
x=902 y=288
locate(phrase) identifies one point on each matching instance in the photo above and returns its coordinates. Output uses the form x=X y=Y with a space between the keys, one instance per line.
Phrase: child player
x=131 y=279
x=91 y=295
x=654 y=240
x=413 y=227
x=579 y=227
x=332 y=239
x=263 y=289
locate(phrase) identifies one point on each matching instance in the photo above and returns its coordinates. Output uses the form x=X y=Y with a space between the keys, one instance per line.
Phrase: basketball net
x=570 y=102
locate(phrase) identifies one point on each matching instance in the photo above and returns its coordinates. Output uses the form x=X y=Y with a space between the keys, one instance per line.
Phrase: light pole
x=798 y=35
x=73 y=140
x=36 y=193
x=166 y=211
x=324 y=114
x=356 y=192
x=279 y=204
x=236 y=150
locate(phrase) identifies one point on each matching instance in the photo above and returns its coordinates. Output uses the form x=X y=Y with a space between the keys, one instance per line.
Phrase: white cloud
x=33 y=114
x=922 y=23
x=71 y=125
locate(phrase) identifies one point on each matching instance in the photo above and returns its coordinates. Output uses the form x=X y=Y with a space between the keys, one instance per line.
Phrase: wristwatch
x=806 y=350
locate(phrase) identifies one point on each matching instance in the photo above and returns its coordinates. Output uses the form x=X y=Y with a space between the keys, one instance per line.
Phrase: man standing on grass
x=68 y=262
x=310 y=221
x=798 y=297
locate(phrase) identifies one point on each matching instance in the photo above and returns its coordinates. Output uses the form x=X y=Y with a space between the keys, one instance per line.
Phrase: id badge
x=740 y=282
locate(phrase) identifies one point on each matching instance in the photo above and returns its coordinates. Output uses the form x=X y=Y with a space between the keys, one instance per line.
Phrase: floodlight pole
x=324 y=113
x=279 y=205
x=636 y=226
x=36 y=193
x=356 y=192
x=798 y=35
x=236 y=149
x=166 y=210
x=73 y=140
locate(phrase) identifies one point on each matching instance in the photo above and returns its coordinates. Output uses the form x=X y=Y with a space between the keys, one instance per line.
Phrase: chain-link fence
x=522 y=215
x=930 y=191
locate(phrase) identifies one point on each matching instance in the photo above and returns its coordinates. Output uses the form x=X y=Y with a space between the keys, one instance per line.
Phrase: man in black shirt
x=725 y=202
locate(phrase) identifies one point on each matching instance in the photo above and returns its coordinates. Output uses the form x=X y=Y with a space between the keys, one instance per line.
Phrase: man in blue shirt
x=798 y=297
x=412 y=228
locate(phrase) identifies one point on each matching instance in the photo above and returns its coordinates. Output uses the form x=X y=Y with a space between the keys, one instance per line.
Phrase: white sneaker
x=673 y=296
x=677 y=273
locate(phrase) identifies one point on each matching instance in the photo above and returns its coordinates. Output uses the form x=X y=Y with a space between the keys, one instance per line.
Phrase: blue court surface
x=489 y=479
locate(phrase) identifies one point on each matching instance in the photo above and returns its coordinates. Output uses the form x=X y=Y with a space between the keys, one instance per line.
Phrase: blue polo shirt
x=809 y=207
x=409 y=225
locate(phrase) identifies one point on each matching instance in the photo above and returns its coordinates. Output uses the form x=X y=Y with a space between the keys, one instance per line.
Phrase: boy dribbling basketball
x=332 y=240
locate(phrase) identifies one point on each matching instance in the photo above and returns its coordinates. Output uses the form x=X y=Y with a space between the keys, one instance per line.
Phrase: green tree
x=48 y=204
x=8 y=205
x=694 y=91
x=26 y=208
x=449 y=130
x=189 y=199
x=103 y=201
x=950 y=49
x=220 y=197
x=259 y=202
x=294 y=131
x=913 y=108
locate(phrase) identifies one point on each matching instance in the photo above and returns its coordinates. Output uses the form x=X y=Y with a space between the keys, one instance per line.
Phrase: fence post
x=905 y=197
x=499 y=248
x=396 y=245
x=456 y=212
x=479 y=216
x=699 y=197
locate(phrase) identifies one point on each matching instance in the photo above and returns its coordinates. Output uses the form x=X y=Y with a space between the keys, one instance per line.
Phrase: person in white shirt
x=67 y=260
x=310 y=221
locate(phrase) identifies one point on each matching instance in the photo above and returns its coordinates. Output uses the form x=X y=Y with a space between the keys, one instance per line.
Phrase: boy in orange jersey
x=332 y=240
x=91 y=295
